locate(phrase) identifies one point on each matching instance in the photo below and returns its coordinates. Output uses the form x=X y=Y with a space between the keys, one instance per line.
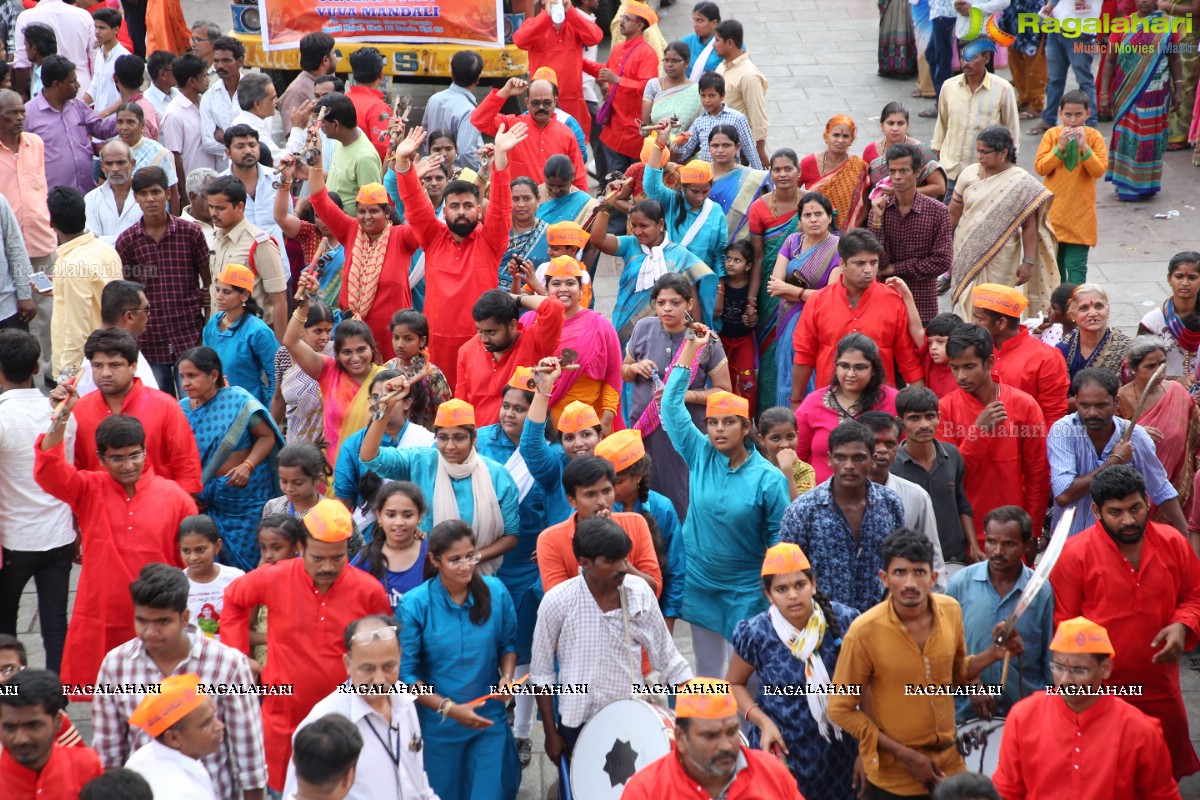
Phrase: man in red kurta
x=170 y=443
x=630 y=67
x=1141 y=581
x=127 y=516
x=33 y=766
x=856 y=303
x=1082 y=745
x=1022 y=360
x=488 y=361
x=708 y=758
x=310 y=601
x=559 y=46
x=547 y=136
x=999 y=430
x=462 y=257
x=374 y=115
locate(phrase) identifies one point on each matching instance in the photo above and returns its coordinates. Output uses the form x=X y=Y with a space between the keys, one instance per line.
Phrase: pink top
x=815 y=421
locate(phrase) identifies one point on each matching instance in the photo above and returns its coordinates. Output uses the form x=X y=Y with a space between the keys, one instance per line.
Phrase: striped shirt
x=702 y=127
x=239 y=764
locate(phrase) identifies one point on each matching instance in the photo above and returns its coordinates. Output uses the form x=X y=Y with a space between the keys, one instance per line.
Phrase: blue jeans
x=940 y=53
x=1062 y=53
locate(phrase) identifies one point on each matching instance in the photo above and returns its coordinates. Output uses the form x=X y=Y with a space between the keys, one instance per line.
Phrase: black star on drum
x=620 y=763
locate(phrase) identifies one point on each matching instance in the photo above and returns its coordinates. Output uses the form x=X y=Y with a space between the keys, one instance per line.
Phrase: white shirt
x=206 y=601
x=217 y=110
x=160 y=99
x=591 y=90
x=171 y=773
x=263 y=127
x=179 y=132
x=104 y=89
x=919 y=515
x=74 y=30
x=260 y=209
x=377 y=776
x=104 y=218
x=85 y=385
x=30 y=519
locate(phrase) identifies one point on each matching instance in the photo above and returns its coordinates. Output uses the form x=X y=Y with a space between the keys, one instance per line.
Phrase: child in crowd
x=410 y=340
x=737 y=332
x=1073 y=158
x=712 y=99
x=397 y=554
x=777 y=441
x=303 y=475
x=933 y=352
x=1059 y=323
x=278 y=540
x=199 y=544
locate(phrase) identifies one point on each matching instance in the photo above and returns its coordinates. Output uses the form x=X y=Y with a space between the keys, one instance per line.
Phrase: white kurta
x=171 y=773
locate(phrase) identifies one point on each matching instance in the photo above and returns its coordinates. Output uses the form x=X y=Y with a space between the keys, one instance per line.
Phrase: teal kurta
x=444 y=649
x=733 y=517
x=710 y=240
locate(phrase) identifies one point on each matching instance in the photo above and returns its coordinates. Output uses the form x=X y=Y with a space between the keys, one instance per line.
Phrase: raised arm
x=601 y=239
x=305 y=357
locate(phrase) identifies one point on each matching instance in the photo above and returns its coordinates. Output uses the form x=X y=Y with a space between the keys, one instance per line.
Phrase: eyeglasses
x=984 y=152
x=9 y=670
x=385 y=634
x=132 y=458
x=458 y=438
x=1074 y=672
x=847 y=367
x=541 y=103
x=464 y=561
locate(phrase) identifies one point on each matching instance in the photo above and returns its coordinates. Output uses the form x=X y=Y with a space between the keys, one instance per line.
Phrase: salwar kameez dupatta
x=735 y=192
x=222 y=427
x=1178 y=417
x=987 y=242
x=897 y=40
x=766 y=333
x=813 y=268
x=633 y=305
x=592 y=336
x=1141 y=100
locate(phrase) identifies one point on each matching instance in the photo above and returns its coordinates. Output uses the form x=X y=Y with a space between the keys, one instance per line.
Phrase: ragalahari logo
x=984 y=35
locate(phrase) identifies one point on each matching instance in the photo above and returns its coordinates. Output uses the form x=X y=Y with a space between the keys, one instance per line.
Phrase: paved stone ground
x=819 y=56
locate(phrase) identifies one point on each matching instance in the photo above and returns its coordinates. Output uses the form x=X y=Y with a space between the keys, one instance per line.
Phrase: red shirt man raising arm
x=461 y=256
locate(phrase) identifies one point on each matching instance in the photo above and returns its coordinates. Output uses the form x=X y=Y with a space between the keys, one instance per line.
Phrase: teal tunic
x=443 y=648
x=420 y=465
x=733 y=517
x=710 y=241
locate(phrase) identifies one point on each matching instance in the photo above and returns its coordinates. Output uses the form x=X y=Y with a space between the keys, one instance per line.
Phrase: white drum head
x=624 y=737
x=951 y=568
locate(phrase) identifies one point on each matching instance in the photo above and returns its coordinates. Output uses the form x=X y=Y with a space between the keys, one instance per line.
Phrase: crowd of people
x=362 y=368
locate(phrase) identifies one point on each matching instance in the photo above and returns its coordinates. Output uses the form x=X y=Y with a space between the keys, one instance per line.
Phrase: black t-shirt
x=735 y=306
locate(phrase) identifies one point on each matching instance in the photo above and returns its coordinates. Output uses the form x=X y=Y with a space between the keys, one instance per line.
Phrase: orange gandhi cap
x=695 y=171
x=564 y=267
x=238 y=276
x=567 y=232
x=545 y=74
x=577 y=416
x=622 y=449
x=723 y=403
x=705 y=698
x=999 y=298
x=454 y=414
x=178 y=696
x=783 y=558
x=329 y=521
x=522 y=379
x=373 y=193
x=648 y=149
x=1081 y=635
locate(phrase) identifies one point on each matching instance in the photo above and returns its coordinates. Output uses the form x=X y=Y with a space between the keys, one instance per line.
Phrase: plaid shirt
x=702 y=127
x=172 y=270
x=239 y=765
x=917 y=246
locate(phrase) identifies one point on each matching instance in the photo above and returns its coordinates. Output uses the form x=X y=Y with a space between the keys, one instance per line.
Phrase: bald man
x=110 y=206
x=547 y=136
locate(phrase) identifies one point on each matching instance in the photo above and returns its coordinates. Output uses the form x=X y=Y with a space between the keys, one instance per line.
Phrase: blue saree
x=222 y=427
x=564 y=209
x=632 y=305
x=734 y=192
x=811 y=269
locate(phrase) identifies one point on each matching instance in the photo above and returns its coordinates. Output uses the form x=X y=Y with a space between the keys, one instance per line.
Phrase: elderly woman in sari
x=648 y=255
x=674 y=94
x=655 y=348
x=1170 y=415
x=345 y=377
x=377 y=255
x=238 y=442
x=1175 y=322
x=931 y=179
x=838 y=174
x=1091 y=343
x=297 y=401
x=527 y=236
x=464 y=485
x=735 y=187
x=807 y=262
x=1000 y=215
x=693 y=220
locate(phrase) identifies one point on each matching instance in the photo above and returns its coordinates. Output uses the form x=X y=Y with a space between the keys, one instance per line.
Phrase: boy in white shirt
x=103 y=91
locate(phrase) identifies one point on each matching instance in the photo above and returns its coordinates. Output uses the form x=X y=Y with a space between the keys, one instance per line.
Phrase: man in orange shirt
x=374 y=115
x=1022 y=360
x=589 y=483
x=999 y=430
x=486 y=362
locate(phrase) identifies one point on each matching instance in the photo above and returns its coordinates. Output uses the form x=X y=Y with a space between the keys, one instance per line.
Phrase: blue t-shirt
x=397 y=583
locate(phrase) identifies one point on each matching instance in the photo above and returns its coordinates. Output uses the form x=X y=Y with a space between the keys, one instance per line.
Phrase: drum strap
x=635 y=674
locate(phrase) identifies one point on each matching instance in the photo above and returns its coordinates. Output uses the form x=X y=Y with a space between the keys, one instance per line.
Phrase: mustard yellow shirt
x=1073 y=212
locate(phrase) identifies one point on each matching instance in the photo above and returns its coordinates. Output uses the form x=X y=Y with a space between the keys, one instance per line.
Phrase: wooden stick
x=1151 y=385
x=1004 y=670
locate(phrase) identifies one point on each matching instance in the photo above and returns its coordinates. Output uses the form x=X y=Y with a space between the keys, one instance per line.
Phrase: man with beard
x=988 y=592
x=708 y=758
x=486 y=362
x=111 y=207
x=847 y=507
x=1078 y=742
x=1141 y=581
x=384 y=711
x=310 y=600
x=910 y=644
x=460 y=254
x=547 y=135
x=32 y=764
x=1083 y=443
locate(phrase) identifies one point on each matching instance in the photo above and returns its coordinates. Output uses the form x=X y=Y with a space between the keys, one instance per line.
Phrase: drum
x=951 y=568
x=979 y=742
x=624 y=737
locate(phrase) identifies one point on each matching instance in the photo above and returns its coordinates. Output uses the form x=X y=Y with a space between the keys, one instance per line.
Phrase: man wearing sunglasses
x=391 y=763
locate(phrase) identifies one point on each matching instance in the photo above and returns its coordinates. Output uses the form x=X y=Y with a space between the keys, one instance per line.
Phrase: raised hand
x=508 y=139
x=515 y=86
x=307 y=287
x=302 y=113
x=409 y=146
x=427 y=165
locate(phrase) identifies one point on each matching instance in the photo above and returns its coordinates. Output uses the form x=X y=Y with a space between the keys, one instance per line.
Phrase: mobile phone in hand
x=41 y=281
